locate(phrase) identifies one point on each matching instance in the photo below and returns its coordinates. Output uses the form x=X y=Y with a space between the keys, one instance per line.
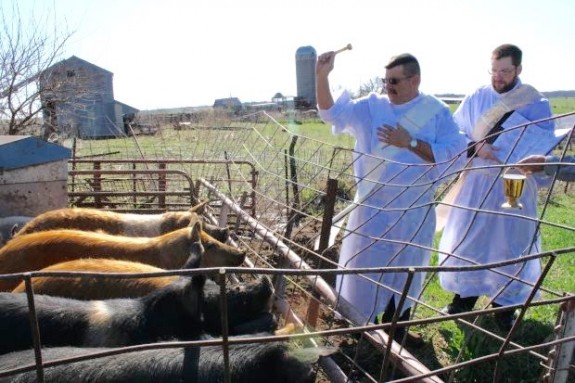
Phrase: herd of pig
x=79 y=315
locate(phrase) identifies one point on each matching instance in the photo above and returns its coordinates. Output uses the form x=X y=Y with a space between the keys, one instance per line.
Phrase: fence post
x=97 y=187
x=162 y=185
x=329 y=208
x=560 y=356
x=293 y=208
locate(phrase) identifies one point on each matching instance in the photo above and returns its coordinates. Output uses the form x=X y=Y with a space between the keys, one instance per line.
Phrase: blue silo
x=305 y=58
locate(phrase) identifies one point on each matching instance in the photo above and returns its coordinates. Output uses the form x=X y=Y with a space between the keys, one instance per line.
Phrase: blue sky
x=175 y=53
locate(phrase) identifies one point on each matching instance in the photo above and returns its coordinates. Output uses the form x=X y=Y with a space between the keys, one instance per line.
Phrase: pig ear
x=199 y=208
x=196 y=250
x=14 y=230
x=195 y=234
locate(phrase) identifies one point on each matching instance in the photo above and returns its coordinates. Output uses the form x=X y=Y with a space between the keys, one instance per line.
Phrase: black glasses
x=394 y=80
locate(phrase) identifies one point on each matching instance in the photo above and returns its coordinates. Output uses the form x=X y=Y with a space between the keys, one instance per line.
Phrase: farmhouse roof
x=73 y=59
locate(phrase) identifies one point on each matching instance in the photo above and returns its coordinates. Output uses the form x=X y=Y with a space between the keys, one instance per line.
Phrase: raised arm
x=323 y=67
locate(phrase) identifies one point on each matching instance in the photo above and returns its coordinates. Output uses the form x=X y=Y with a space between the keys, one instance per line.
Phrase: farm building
x=78 y=99
x=230 y=103
x=305 y=58
x=33 y=176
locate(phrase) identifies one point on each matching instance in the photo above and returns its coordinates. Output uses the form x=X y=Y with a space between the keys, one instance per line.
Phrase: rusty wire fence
x=287 y=197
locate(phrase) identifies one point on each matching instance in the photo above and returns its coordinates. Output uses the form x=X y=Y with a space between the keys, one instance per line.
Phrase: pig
x=248 y=303
x=130 y=225
x=85 y=288
x=272 y=362
x=35 y=251
x=172 y=312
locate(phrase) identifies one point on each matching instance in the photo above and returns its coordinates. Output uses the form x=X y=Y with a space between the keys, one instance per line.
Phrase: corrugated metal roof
x=21 y=151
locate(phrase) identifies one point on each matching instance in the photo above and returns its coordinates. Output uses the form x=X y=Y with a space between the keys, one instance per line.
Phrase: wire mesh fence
x=289 y=199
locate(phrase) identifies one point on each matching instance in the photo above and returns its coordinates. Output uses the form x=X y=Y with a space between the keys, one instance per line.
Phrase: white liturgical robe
x=395 y=194
x=482 y=237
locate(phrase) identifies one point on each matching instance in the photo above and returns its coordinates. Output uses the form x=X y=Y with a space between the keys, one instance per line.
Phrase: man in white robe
x=475 y=238
x=405 y=141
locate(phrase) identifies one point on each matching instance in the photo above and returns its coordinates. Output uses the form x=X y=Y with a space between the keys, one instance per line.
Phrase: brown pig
x=170 y=251
x=130 y=225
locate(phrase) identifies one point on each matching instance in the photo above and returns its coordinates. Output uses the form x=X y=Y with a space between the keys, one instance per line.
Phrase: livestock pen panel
x=301 y=198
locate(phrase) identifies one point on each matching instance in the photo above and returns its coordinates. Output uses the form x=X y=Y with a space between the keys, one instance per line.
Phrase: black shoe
x=504 y=319
x=459 y=305
x=413 y=340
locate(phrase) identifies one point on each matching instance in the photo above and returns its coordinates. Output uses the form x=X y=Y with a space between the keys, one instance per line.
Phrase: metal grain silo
x=305 y=58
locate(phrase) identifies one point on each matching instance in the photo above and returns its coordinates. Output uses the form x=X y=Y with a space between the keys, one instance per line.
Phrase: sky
x=179 y=53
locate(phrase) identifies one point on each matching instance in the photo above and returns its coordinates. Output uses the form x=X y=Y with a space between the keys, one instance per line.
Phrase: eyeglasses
x=394 y=80
x=502 y=72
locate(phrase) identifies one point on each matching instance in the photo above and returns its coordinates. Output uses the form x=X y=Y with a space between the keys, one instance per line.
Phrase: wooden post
x=313 y=308
x=97 y=186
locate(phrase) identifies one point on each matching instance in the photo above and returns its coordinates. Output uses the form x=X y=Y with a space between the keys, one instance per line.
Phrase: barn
x=78 y=100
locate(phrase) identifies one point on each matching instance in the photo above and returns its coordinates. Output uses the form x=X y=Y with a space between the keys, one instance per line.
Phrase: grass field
x=560 y=105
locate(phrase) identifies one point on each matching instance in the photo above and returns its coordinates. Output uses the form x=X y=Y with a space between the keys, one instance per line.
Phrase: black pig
x=167 y=313
x=248 y=363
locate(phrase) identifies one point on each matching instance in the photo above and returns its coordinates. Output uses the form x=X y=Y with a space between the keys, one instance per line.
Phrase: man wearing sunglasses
x=405 y=141
x=496 y=119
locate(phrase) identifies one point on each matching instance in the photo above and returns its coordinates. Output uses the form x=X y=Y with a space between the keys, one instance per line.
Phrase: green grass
x=560 y=105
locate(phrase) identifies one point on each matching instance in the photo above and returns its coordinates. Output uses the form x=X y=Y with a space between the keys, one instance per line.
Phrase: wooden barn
x=78 y=99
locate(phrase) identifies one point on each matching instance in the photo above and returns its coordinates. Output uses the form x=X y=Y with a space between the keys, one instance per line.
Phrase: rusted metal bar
x=34 y=327
x=96 y=185
x=162 y=185
x=225 y=335
x=134 y=186
x=252 y=170
x=100 y=196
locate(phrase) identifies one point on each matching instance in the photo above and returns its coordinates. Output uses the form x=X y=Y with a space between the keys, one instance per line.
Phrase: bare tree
x=373 y=85
x=28 y=47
